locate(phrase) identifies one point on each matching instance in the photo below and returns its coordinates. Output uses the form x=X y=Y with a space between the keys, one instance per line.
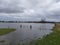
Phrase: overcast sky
x=30 y=10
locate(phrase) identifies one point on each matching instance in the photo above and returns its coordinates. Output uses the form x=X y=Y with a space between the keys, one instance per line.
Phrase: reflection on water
x=25 y=32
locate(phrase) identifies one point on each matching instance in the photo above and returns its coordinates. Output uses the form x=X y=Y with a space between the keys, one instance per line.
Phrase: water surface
x=25 y=32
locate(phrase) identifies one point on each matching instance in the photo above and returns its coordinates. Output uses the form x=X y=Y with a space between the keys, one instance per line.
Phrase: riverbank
x=4 y=31
x=51 y=39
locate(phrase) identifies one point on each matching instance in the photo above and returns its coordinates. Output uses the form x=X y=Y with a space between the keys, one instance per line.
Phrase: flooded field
x=25 y=32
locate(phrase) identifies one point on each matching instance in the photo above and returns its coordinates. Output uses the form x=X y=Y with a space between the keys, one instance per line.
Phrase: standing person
x=30 y=26
x=20 y=26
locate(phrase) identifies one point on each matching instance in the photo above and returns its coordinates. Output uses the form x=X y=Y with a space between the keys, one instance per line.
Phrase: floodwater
x=25 y=32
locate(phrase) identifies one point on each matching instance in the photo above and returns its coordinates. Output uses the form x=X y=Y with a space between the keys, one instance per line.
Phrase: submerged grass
x=51 y=39
x=4 y=31
x=2 y=41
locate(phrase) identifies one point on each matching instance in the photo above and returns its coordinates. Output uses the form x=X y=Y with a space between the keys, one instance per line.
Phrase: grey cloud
x=42 y=8
x=9 y=6
x=9 y=10
x=57 y=0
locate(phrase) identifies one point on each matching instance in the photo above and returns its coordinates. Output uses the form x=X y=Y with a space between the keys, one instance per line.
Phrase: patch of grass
x=4 y=31
x=2 y=41
x=51 y=39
